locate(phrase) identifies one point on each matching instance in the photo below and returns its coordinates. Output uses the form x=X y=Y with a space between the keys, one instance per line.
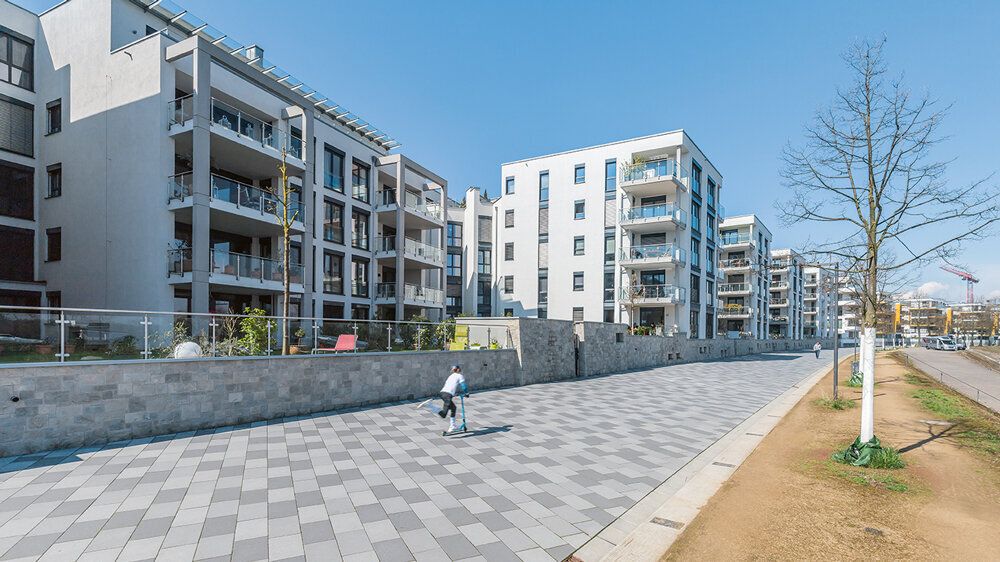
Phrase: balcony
x=653 y=218
x=779 y=266
x=779 y=286
x=809 y=324
x=734 y=264
x=735 y=240
x=781 y=319
x=810 y=310
x=778 y=303
x=810 y=296
x=653 y=177
x=420 y=252
x=652 y=294
x=735 y=288
x=649 y=256
x=733 y=311
x=235 y=198
x=385 y=293
x=236 y=270
x=422 y=207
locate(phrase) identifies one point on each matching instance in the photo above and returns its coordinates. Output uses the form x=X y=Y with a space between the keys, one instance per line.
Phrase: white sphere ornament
x=187 y=350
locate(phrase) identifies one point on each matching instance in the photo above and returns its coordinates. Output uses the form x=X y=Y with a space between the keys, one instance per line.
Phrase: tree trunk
x=285 y=283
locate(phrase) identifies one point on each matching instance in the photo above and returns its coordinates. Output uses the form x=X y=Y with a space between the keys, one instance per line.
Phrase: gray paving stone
x=394 y=549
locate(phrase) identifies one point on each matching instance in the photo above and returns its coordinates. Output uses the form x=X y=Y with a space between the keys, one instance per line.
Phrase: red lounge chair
x=345 y=342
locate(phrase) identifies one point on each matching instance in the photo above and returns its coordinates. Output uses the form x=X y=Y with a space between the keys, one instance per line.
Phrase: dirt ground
x=789 y=501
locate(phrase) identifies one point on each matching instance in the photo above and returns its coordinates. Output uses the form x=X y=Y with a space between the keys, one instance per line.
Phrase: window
x=17 y=260
x=695 y=178
x=333 y=273
x=17 y=191
x=17 y=133
x=609 y=317
x=709 y=259
x=710 y=196
x=359 y=230
x=695 y=216
x=485 y=262
x=579 y=173
x=454 y=265
x=578 y=314
x=609 y=248
x=609 y=286
x=694 y=324
x=578 y=281
x=578 y=210
x=454 y=234
x=543 y=186
x=359 y=278
x=709 y=291
x=53 y=299
x=543 y=313
x=508 y=312
x=17 y=61
x=53 y=184
x=508 y=284
x=543 y=286
x=53 y=244
x=609 y=175
x=333 y=222
x=509 y=187
x=694 y=253
x=53 y=117
x=710 y=227
x=333 y=175
x=508 y=251
x=359 y=181
x=508 y=218
x=578 y=245
x=695 y=289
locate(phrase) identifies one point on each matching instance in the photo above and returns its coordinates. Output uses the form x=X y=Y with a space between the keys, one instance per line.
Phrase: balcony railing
x=243 y=266
x=662 y=210
x=179 y=261
x=411 y=292
x=359 y=240
x=652 y=170
x=733 y=310
x=359 y=289
x=658 y=252
x=179 y=186
x=779 y=285
x=410 y=246
x=779 y=319
x=248 y=196
x=423 y=206
x=180 y=110
x=643 y=292
x=734 y=288
x=779 y=265
x=735 y=263
x=253 y=128
x=733 y=239
x=779 y=302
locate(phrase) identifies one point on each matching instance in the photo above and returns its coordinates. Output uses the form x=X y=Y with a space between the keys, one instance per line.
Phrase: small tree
x=633 y=294
x=285 y=197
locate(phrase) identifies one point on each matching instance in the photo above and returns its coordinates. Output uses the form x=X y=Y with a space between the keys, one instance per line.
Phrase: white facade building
x=786 y=302
x=470 y=255
x=744 y=289
x=621 y=232
x=155 y=190
x=817 y=305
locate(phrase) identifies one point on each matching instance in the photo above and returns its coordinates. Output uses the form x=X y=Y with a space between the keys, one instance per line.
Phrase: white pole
x=868 y=384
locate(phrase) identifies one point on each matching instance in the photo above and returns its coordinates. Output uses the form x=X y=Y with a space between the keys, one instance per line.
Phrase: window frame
x=332 y=204
x=543 y=190
x=508 y=223
x=55 y=232
x=357 y=165
x=508 y=251
x=578 y=275
x=583 y=210
x=328 y=151
x=333 y=256
x=49 y=107
x=579 y=178
x=53 y=171
x=10 y=37
x=579 y=245
x=509 y=185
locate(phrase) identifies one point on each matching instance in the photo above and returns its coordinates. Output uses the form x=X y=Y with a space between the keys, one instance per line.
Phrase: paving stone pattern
x=543 y=468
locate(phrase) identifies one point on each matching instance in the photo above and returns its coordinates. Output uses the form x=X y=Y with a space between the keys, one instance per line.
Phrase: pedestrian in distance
x=816 y=349
x=448 y=393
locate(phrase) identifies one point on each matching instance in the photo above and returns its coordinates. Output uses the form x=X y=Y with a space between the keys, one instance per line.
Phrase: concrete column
x=400 y=235
x=201 y=180
x=443 y=243
x=310 y=211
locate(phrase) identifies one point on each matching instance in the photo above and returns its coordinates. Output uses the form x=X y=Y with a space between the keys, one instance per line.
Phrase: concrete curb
x=648 y=528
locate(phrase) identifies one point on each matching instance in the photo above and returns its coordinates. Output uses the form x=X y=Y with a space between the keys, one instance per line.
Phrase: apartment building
x=23 y=121
x=786 y=320
x=923 y=316
x=157 y=177
x=620 y=232
x=818 y=303
x=470 y=255
x=744 y=290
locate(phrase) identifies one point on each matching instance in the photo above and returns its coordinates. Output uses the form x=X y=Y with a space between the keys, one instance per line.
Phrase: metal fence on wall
x=45 y=334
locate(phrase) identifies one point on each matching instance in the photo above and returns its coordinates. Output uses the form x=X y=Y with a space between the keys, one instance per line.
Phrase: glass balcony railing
x=359 y=289
x=779 y=302
x=413 y=202
x=779 y=285
x=248 y=196
x=411 y=292
x=735 y=263
x=641 y=292
x=180 y=110
x=663 y=210
x=658 y=252
x=251 y=127
x=359 y=240
x=385 y=290
x=731 y=239
x=733 y=310
x=360 y=191
x=411 y=247
x=179 y=261
x=179 y=186
x=243 y=266
x=779 y=319
x=734 y=288
x=652 y=170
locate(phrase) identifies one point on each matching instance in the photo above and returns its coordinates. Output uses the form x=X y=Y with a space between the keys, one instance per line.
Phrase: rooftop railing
x=732 y=239
x=661 y=210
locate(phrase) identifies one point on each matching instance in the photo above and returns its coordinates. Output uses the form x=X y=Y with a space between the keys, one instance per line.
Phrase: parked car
x=960 y=345
x=946 y=343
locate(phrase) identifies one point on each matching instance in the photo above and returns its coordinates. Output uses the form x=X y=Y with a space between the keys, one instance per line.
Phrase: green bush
x=254 y=331
x=836 y=404
x=887 y=458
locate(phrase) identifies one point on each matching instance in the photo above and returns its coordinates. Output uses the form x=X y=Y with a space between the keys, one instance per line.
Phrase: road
x=544 y=468
x=964 y=375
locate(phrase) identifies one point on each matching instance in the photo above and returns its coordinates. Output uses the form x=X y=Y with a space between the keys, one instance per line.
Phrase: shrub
x=887 y=458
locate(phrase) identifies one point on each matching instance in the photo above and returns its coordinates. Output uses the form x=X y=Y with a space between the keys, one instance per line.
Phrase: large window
x=17 y=260
x=333 y=273
x=333 y=175
x=17 y=58
x=485 y=265
x=578 y=314
x=695 y=216
x=360 y=182
x=17 y=191
x=609 y=286
x=609 y=175
x=543 y=186
x=509 y=185
x=333 y=222
x=543 y=286
x=53 y=244
x=17 y=133
x=579 y=173
x=359 y=230
x=695 y=178
x=609 y=248
x=454 y=265
x=454 y=234
x=359 y=278
x=710 y=195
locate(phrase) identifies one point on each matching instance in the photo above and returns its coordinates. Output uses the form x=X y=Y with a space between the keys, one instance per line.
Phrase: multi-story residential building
x=745 y=245
x=470 y=255
x=923 y=316
x=141 y=93
x=850 y=318
x=786 y=304
x=24 y=182
x=974 y=319
x=817 y=303
x=624 y=232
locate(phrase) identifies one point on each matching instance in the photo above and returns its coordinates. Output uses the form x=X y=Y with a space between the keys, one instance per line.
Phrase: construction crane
x=969 y=280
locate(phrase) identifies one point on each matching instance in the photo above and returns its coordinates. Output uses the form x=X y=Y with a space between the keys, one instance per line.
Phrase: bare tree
x=866 y=172
x=286 y=198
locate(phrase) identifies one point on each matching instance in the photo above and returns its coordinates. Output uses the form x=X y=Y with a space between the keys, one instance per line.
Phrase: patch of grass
x=853 y=385
x=887 y=458
x=915 y=379
x=868 y=478
x=986 y=441
x=836 y=403
x=950 y=407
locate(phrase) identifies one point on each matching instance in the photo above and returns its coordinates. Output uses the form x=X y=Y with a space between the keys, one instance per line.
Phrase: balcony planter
x=44 y=348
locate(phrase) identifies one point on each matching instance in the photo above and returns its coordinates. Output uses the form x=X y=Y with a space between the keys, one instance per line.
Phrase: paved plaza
x=542 y=469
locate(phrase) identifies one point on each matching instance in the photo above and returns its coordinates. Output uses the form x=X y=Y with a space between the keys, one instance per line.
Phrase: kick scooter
x=461 y=428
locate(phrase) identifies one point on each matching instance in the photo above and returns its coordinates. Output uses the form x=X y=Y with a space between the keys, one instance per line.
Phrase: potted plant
x=474 y=345
x=298 y=347
x=45 y=348
x=494 y=344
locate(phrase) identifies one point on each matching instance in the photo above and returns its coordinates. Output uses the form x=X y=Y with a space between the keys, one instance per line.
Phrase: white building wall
x=756 y=250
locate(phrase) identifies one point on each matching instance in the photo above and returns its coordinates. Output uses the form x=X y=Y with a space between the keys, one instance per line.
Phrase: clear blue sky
x=466 y=86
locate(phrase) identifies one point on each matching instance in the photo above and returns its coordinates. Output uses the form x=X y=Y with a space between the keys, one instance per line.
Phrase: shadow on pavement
x=484 y=431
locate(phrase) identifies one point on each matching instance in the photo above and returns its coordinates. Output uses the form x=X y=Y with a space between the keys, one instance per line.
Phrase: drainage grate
x=876 y=532
x=725 y=464
x=666 y=522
